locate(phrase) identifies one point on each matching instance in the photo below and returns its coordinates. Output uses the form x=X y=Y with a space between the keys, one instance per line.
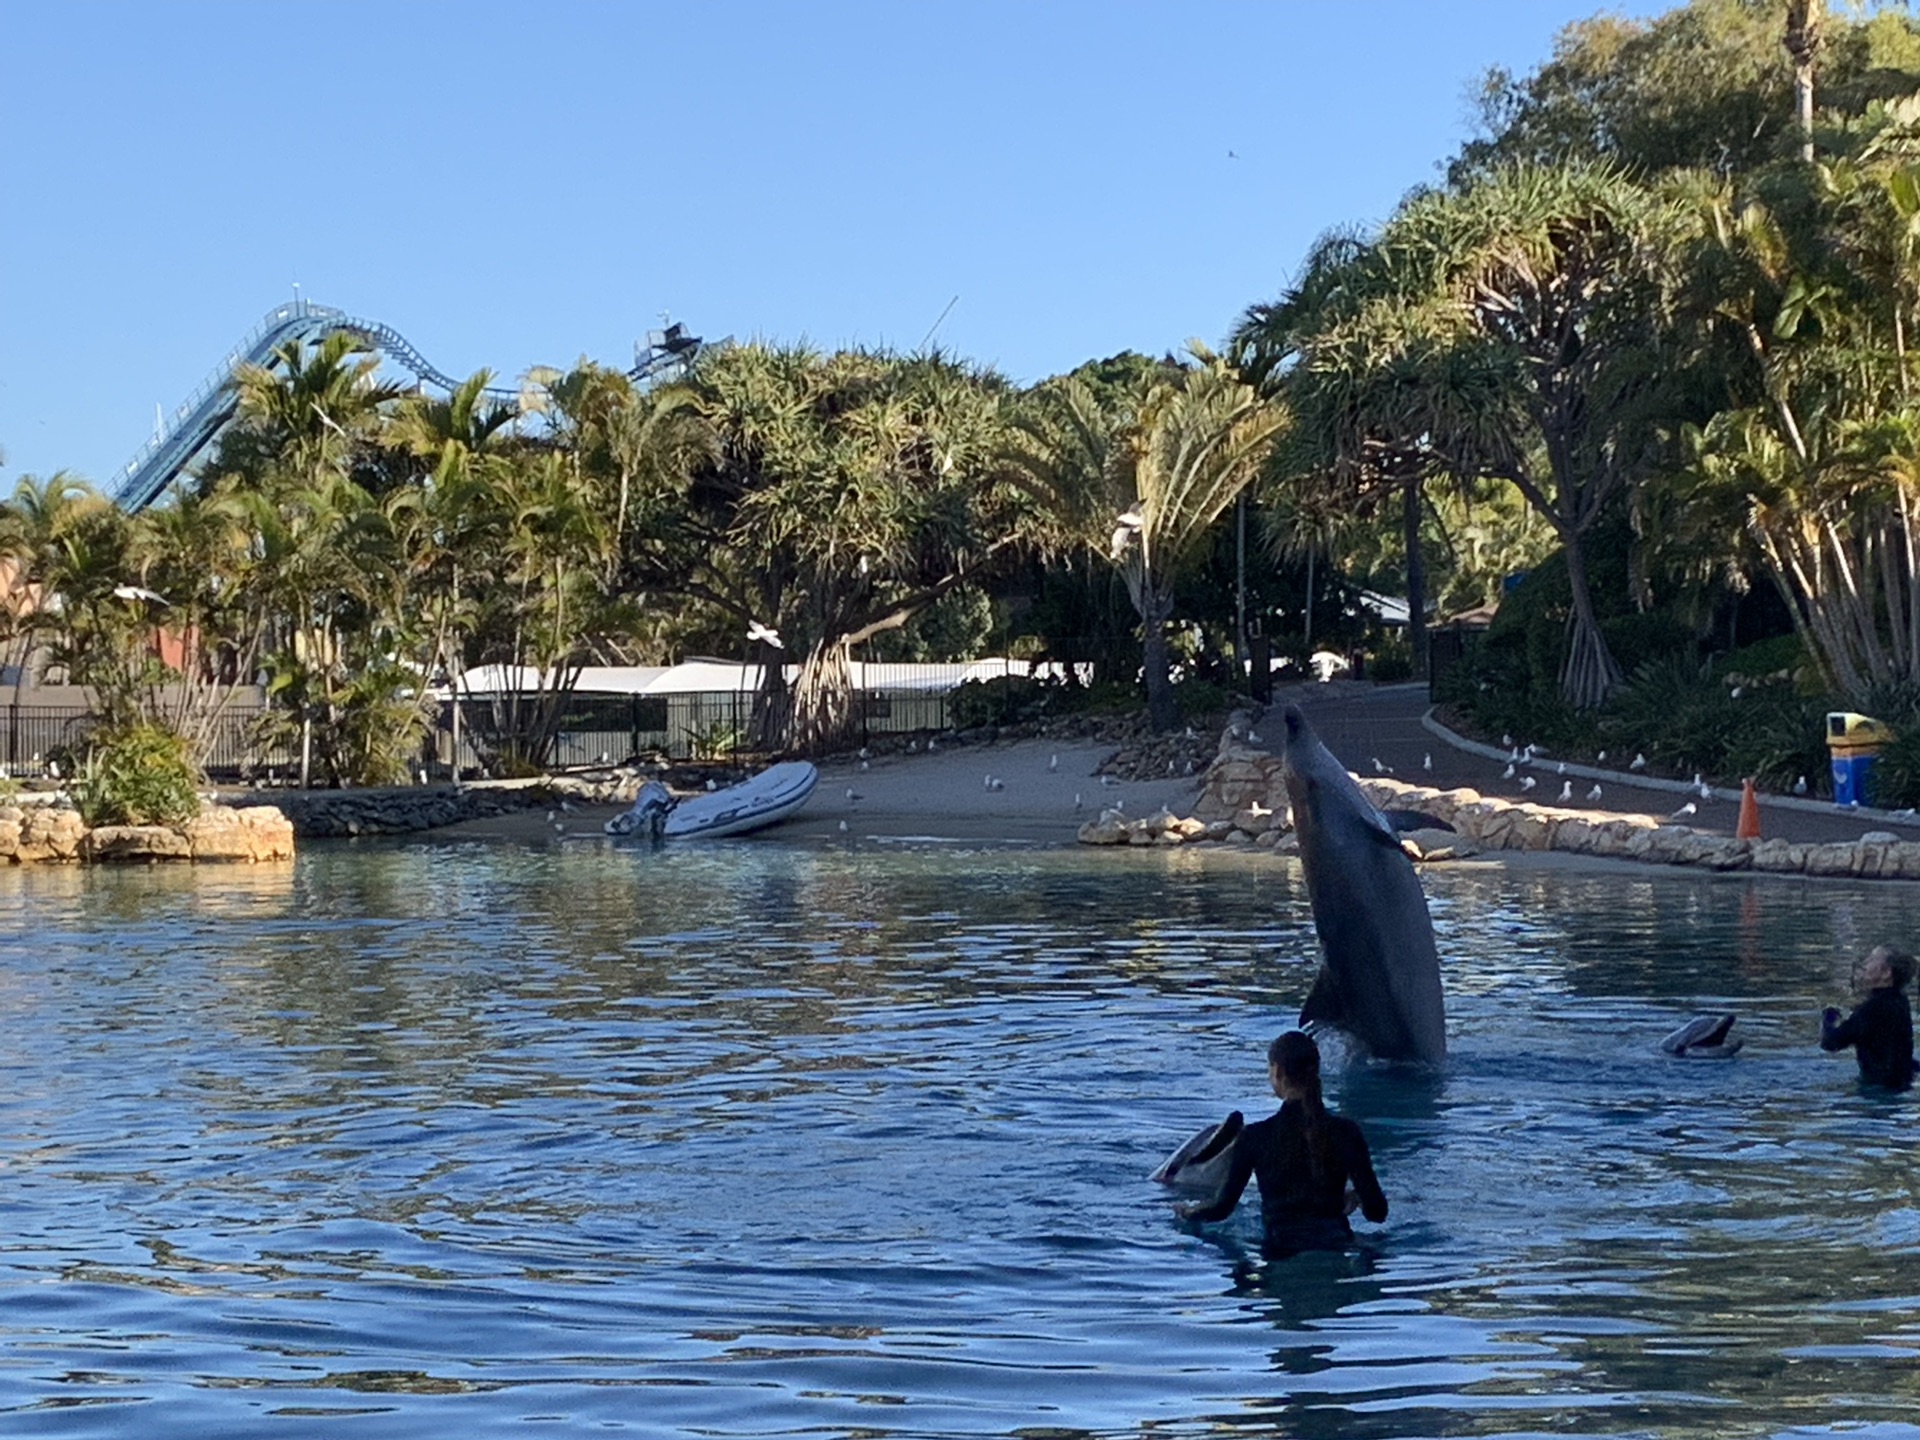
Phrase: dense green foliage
x=137 y=774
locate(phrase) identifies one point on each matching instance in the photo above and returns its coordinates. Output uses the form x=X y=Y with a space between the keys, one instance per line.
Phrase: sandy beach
x=1047 y=789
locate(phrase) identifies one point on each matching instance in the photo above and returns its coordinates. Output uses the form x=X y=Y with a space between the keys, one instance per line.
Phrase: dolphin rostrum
x=1379 y=979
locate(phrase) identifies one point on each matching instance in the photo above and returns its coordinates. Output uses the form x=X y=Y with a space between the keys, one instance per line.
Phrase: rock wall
x=1244 y=802
x=49 y=834
x=335 y=814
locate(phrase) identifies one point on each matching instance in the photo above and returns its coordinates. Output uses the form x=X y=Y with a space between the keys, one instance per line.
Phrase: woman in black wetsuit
x=1305 y=1158
x=1880 y=1029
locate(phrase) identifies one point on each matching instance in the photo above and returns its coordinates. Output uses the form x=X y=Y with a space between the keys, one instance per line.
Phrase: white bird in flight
x=756 y=632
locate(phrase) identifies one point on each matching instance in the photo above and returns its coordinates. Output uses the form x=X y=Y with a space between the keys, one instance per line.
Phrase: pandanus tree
x=1142 y=477
x=1367 y=358
x=1527 y=321
x=826 y=499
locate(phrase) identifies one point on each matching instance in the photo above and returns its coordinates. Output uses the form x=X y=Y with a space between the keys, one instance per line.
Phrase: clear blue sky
x=510 y=184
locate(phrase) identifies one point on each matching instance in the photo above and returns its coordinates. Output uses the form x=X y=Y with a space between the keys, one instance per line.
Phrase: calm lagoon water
x=755 y=1140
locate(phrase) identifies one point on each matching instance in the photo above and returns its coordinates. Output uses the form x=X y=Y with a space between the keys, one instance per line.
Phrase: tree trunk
x=1162 y=710
x=1802 y=41
x=1590 y=673
x=1416 y=579
x=823 y=710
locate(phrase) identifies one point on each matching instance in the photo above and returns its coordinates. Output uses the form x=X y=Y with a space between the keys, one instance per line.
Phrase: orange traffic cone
x=1747 y=827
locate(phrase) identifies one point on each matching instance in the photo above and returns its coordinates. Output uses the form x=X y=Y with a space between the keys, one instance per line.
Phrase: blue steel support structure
x=192 y=427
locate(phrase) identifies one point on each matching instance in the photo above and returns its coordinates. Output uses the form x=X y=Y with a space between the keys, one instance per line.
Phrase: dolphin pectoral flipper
x=1323 y=1005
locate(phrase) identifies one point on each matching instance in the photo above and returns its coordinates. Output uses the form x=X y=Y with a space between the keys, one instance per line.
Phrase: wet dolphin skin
x=1380 y=976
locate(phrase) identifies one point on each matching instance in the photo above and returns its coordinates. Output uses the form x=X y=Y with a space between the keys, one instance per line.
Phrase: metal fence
x=593 y=729
x=34 y=738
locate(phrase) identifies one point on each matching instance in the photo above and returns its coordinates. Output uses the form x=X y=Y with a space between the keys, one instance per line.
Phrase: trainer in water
x=1313 y=1165
x=1880 y=1029
x=1379 y=979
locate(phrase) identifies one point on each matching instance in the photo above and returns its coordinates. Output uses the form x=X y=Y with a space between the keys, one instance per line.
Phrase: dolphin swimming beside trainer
x=1379 y=979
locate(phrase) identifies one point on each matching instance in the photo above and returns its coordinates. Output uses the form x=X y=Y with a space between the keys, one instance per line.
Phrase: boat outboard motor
x=648 y=813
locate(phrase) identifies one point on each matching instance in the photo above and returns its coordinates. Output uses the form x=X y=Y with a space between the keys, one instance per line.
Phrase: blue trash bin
x=1850 y=778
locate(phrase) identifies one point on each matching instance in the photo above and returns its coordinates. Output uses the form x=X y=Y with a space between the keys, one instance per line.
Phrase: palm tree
x=1144 y=479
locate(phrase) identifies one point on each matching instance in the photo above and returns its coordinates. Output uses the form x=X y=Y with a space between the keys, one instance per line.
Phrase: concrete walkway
x=1363 y=724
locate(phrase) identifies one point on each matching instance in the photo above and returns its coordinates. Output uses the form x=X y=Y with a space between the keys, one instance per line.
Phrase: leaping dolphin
x=1380 y=976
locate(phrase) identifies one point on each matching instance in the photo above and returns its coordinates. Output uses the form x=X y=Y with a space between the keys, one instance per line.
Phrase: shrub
x=138 y=774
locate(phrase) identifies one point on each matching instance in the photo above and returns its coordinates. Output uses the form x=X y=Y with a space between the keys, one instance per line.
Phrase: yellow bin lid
x=1850 y=728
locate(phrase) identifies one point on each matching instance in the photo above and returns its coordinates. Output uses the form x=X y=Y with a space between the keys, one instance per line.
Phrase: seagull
x=1380 y=769
x=1736 y=692
x=1256 y=809
x=994 y=782
x=1561 y=768
x=1706 y=791
x=913 y=747
x=1125 y=527
x=1169 y=767
x=1507 y=774
x=1639 y=763
x=712 y=785
x=756 y=631
x=852 y=795
x=1426 y=762
x=1532 y=750
x=864 y=765
x=1800 y=786
x=1698 y=783
x=1053 y=762
x=1601 y=758
x=1189 y=767
x=560 y=827
x=1109 y=780
x=1594 y=793
x=843 y=827
x=604 y=757
x=932 y=745
x=1076 y=799
x=53 y=769
x=1566 y=791
x=550 y=816
x=1528 y=783
x=1687 y=809
x=1189 y=734
x=1507 y=740
x=864 y=752
x=1252 y=739
x=567 y=806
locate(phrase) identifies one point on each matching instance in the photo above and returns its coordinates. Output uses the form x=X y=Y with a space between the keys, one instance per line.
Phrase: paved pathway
x=1363 y=723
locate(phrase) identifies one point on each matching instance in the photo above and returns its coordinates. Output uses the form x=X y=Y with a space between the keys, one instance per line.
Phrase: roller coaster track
x=191 y=428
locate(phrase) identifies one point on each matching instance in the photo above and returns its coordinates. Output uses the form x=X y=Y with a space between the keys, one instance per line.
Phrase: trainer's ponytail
x=1297 y=1058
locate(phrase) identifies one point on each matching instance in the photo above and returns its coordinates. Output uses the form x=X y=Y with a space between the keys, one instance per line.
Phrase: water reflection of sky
x=750 y=1139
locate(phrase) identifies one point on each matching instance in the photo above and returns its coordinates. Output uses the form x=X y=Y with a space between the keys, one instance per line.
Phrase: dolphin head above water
x=1380 y=974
